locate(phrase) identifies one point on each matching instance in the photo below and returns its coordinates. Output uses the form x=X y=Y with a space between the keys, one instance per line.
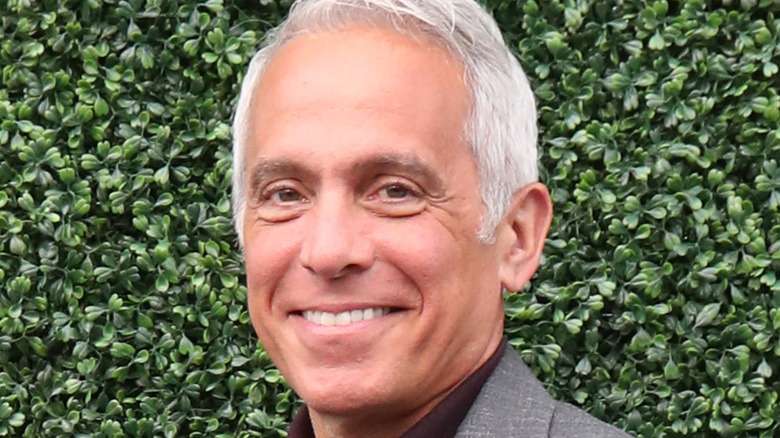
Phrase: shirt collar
x=443 y=420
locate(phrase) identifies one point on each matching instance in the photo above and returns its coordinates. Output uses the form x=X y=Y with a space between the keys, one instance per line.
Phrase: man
x=384 y=194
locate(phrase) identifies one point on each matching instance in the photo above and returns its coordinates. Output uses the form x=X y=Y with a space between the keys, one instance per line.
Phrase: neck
x=375 y=424
x=382 y=422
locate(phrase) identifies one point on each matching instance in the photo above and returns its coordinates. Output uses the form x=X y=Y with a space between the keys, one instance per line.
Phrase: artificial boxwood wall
x=122 y=305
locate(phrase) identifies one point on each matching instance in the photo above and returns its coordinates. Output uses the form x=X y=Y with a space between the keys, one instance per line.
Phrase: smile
x=328 y=319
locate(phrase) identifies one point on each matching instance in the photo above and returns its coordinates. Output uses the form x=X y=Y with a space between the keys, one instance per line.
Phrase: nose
x=333 y=245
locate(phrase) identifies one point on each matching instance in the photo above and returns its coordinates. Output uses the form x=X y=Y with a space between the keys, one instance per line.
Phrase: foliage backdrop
x=122 y=305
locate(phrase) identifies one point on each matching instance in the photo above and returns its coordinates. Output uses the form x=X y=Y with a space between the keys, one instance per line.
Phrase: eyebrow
x=267 y=169
x=404 y=164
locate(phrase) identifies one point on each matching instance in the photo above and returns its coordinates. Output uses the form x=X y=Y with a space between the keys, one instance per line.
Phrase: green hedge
x=122 y=305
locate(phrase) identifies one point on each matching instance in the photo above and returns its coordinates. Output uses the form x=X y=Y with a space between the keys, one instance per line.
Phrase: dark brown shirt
x=443 y=420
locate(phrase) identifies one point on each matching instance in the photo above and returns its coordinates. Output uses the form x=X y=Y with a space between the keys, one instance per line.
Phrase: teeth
x=344 y=318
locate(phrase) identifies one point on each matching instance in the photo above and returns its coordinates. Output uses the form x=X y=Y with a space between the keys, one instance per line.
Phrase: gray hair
x=501 y=127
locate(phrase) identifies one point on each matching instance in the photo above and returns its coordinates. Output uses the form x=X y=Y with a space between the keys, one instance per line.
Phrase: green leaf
x=657 y=42
x=121 y=350
x=101 y=106
x=707 y=314
x=671 y=370
x=764 y=370
x=770 y=69
x=162 y=175
x=145 y=56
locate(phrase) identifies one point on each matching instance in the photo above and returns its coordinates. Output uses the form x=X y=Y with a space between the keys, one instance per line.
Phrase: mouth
x=328 y=319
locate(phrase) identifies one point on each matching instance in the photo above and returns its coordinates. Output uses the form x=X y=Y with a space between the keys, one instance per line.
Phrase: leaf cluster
x=656 y=307
x=122 y=310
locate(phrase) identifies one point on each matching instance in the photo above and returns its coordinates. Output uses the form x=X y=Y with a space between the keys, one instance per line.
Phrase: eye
x=395 y=197
x=281 y=201
x=286 y=195
x=397 y=192
x=283 y=194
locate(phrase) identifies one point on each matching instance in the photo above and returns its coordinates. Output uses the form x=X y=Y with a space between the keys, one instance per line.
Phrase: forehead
x=354 y=76
x=369 y=59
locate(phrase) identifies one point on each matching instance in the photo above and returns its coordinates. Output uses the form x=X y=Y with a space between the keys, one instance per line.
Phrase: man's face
x=367 y=283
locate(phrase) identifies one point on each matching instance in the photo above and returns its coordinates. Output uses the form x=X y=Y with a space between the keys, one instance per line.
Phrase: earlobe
x=525 y=229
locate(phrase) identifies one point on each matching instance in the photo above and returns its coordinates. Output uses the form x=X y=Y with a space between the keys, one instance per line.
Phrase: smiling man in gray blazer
x=385 y=194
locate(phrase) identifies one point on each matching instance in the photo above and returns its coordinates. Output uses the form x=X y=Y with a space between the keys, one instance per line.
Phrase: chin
x=342 y=402
x=345 y=393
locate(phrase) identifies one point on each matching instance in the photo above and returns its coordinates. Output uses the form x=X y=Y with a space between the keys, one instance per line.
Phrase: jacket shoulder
x=513 y=403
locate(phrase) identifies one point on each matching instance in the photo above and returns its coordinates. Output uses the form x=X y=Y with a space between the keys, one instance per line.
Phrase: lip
x=316 y=334
x=345 y=307
x=344 y=345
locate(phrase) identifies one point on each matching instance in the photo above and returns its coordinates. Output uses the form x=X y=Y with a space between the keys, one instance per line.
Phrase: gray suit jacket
x=513 y=403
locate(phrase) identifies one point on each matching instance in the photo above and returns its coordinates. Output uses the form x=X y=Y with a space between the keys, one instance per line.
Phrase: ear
x=523 y=232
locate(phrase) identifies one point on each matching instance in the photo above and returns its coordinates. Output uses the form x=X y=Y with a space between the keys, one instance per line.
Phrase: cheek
x=267 y=261
x=424 y=254
x=268 y=250
x=443 y=263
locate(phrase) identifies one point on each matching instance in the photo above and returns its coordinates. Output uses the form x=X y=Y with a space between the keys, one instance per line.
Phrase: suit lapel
x=513 y=403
